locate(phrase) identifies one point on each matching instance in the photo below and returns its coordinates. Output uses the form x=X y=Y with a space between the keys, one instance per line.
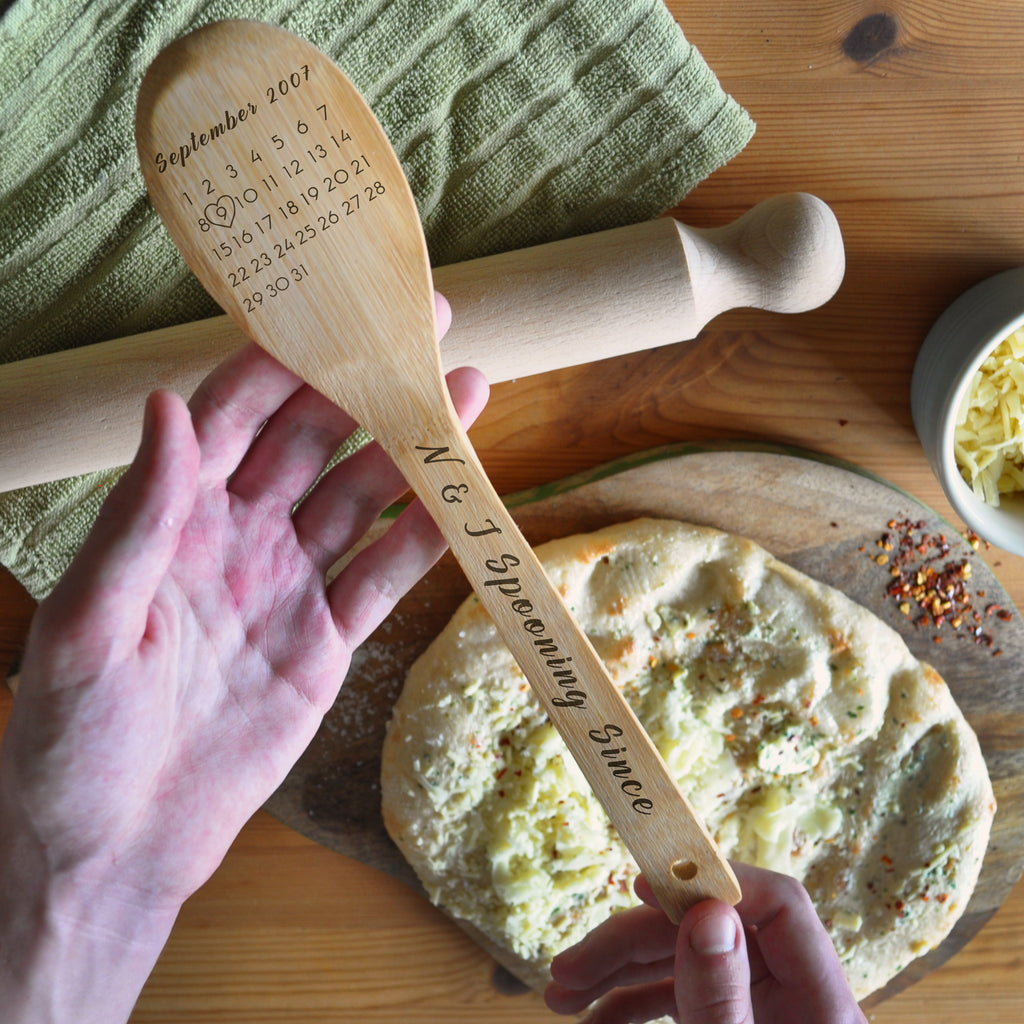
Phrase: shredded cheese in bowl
x=989 y=436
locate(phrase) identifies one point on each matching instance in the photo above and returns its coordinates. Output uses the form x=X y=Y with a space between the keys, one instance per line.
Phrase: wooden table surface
x=908 y=123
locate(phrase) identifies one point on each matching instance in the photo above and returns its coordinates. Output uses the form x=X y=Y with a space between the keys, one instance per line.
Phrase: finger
x=367 y=590
x=299 y=439
x=791 y=942
x=291 y=450
x=293 y=430
x=634 y=1005
x=712 y=978
x=443 y=314
x=350 y=498
x=231 y=405
x=641 y=936
x=644 y=892
x=103 y=599
x=633 y=976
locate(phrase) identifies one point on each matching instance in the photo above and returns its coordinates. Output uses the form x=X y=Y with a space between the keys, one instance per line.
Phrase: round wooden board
x=823 y=517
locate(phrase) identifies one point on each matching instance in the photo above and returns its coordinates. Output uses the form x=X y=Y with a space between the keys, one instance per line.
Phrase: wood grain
x=916 y=150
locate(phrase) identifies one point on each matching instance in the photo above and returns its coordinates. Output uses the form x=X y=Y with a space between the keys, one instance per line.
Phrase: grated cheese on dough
x=804 y=732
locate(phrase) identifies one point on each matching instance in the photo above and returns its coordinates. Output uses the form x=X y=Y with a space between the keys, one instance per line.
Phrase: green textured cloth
x=517 y=122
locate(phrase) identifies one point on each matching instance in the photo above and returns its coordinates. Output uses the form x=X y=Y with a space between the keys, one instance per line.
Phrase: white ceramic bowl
x=953 y=350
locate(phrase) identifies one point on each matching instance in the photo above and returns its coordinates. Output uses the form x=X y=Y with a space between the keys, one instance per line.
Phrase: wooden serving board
x=822 y=517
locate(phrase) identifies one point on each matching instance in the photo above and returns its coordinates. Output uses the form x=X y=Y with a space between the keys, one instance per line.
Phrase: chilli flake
x=929 y=588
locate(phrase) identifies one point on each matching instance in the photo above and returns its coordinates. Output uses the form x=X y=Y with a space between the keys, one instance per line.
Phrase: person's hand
x=768 y=961
x=182 y=665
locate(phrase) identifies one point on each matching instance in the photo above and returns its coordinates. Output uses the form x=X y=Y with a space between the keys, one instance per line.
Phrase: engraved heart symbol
x=221 y=212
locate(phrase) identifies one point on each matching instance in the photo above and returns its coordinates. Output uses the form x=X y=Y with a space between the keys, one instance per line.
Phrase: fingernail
x=713 y=935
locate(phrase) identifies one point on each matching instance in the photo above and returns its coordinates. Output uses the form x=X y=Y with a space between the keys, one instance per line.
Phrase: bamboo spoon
x=283 y=193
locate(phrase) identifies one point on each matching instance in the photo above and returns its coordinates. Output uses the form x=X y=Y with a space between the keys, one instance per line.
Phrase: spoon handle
x=622 y=765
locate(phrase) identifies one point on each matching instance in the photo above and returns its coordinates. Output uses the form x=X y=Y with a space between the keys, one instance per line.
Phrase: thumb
x=106 y=592
x=712 y=974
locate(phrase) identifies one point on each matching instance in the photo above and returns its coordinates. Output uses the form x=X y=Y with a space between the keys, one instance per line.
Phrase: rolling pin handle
x=785 y=255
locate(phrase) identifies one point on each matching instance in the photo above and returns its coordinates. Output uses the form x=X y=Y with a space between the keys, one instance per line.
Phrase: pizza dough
x=799 y=725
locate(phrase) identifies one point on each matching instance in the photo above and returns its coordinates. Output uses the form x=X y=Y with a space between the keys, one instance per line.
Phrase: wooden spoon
x=283 y=193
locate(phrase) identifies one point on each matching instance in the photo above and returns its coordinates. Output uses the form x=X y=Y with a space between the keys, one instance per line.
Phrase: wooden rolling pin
x=514 y=314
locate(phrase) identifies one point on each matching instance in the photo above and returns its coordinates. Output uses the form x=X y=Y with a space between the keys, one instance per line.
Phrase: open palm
x=189 y=654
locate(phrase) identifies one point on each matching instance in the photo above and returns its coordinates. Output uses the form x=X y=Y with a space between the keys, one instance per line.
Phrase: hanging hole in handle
x=684 y=870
